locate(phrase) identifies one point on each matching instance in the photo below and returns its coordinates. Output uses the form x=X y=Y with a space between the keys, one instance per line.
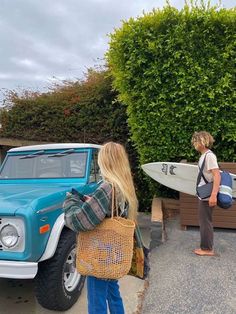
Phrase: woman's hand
x=87 y=197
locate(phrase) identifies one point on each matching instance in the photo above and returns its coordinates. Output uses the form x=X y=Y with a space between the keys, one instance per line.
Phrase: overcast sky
x=46 y=40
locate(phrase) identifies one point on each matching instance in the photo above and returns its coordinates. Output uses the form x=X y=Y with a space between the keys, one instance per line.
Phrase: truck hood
x=15 y=196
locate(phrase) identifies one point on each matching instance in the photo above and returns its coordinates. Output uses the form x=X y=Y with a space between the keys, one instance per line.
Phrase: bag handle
x=113 y=207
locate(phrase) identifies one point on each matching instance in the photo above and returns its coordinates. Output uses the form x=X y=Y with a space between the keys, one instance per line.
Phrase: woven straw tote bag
x=106 y=251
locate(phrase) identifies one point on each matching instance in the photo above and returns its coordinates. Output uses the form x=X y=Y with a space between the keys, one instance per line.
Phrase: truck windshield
x=70 y=164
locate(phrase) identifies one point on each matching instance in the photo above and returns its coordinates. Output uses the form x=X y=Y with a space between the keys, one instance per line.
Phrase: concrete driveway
x=17 y=297
x=181 y=282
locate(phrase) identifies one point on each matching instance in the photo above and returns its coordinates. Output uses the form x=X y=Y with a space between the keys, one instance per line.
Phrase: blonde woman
x=82 y=216
x=202 y=142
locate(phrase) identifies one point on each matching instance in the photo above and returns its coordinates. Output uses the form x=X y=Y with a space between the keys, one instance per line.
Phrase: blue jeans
x=100 y=292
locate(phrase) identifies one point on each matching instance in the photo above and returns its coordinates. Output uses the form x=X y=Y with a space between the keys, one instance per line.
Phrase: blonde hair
x=115 y=168
x=203 y=138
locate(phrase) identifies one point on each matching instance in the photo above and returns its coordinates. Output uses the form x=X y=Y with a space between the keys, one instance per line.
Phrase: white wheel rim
x=71 y=277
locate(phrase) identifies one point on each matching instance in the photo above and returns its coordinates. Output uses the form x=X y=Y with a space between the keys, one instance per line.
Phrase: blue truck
x=34 y=241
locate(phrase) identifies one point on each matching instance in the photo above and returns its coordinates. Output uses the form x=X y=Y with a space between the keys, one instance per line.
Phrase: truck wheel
x=57 y=283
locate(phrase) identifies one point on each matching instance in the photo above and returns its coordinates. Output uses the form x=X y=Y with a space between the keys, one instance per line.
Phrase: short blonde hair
x=203 y=138
x=115 y=168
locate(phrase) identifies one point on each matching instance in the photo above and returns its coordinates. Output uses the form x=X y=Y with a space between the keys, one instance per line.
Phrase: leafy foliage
x=82 y=111
x=175 y=70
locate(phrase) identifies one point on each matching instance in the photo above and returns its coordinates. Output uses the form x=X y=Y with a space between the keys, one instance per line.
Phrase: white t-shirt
x=210 y=163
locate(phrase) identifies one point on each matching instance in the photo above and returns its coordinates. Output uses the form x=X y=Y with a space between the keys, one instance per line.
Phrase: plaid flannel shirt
x=84 y=216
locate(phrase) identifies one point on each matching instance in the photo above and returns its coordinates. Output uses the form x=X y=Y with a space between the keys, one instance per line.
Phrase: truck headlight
x=9 y=235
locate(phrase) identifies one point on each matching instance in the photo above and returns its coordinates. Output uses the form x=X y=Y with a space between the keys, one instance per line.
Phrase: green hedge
x=81 y=111
x=176 y=72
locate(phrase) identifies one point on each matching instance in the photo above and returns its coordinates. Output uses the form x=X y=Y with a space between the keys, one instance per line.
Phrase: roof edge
x=54 y=146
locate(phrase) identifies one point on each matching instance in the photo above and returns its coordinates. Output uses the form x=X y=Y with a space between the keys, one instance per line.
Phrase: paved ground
x=181 y=282
x=17 y=296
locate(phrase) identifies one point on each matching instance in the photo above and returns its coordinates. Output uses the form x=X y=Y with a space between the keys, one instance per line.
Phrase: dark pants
x=206 y=226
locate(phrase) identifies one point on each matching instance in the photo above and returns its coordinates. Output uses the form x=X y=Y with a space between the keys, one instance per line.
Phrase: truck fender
x=53 y=238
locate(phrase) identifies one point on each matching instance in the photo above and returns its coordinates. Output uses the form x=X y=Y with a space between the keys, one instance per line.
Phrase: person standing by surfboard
x=202 y=142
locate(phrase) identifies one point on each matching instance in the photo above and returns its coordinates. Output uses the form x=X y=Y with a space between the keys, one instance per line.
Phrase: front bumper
x=18 y=270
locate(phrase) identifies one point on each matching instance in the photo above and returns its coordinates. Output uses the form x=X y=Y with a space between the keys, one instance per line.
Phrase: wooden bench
x=160 y=207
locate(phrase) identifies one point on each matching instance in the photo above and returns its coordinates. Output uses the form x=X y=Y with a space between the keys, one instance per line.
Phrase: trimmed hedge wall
x=82 y=111
x=176 y=72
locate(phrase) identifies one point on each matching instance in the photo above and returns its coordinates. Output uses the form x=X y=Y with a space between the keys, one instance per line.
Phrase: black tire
x=51 y=290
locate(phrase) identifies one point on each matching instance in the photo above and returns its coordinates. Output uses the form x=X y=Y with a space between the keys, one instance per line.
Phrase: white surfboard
x=177 y=176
